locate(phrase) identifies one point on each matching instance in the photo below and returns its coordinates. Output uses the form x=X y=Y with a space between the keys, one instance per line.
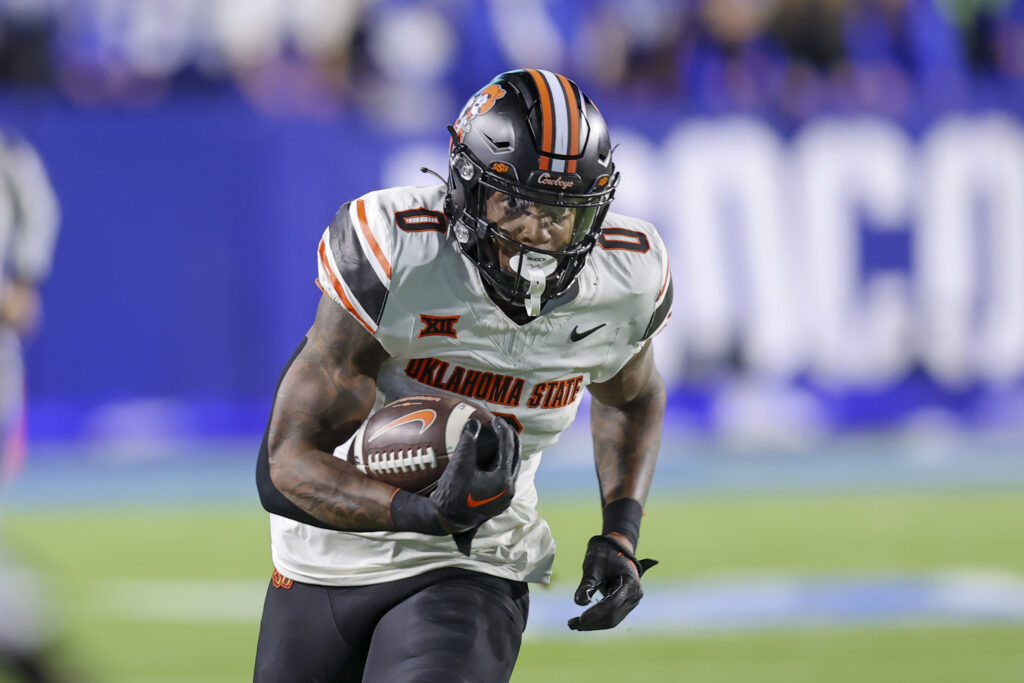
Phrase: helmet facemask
x=487 y=208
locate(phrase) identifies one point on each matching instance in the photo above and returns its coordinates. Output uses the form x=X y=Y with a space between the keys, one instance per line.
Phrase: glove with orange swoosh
x=480 y=479
x=478 y=483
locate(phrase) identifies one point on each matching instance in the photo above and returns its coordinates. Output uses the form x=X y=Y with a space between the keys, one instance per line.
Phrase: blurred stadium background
x=840 y=184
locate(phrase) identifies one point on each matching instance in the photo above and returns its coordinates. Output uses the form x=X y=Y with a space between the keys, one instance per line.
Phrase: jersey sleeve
x=644 y=260
x=354 y=262
x=36 y=213
x=634 y=263
x=662 y=302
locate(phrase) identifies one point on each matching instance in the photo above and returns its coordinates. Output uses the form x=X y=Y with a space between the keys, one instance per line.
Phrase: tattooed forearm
x=325 y=395
x=341 y=510
x=626 y=423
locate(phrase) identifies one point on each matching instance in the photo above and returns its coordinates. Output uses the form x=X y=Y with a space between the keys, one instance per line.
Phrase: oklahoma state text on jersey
x=388 y=258
x=491 y=387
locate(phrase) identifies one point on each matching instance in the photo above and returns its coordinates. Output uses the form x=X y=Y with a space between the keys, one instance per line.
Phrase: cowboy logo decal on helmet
x=480 y=103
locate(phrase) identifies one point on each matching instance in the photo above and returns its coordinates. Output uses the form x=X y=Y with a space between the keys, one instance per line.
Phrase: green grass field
x=93 y=558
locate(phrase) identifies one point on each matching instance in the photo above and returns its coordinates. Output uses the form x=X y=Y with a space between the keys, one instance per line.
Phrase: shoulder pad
x=354 y=262
x=638 y=256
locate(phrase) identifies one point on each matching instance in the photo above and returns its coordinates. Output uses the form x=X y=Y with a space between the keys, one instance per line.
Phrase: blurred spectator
x=408 y=62
x=288 y=55
x=632 y=46
x=123 y=51
x=992 y=37
x=1008 y=42
x=810 y=33
x=902 y=51
x=732 y=63
x=784 y=59
x=26 y=43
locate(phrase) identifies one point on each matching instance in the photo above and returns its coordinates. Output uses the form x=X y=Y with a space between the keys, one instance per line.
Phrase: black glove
x=480 y=479
x=610 y=568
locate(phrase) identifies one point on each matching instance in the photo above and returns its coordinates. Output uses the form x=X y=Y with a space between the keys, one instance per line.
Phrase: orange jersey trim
x=338 y=289
x=365 y=226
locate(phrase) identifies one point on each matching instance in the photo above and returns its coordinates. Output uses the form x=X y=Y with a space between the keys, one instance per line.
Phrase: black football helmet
x=535 y=139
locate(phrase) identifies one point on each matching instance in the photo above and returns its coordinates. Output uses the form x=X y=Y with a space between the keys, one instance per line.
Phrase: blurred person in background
x=26 y=43
x=809 y=34
x=903 y=54
x=730 y=61
x=29 y=218
x=28 y=231
x=288 y=57
x=540 y=292
x=992 y=39
x=611 y=46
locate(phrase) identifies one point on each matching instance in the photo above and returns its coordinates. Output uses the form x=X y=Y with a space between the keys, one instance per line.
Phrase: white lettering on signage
x=766 y=243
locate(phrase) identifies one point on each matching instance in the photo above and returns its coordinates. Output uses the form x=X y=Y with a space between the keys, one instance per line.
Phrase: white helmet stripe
x=561 y=119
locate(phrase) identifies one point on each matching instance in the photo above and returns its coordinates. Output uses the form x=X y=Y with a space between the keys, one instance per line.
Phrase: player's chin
x=504 y=260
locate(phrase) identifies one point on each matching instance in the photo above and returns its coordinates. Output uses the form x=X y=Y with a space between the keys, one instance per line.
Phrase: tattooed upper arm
x=324 y=396
x=330 y=387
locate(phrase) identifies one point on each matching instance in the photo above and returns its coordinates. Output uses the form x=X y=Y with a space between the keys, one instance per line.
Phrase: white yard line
x=711 y=604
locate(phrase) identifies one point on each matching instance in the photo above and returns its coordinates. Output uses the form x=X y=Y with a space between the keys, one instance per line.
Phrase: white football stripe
x=457 y=419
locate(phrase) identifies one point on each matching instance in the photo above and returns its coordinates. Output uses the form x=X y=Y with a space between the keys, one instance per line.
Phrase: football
x=408 y=442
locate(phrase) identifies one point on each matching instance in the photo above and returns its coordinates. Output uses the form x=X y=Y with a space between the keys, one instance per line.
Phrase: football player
x=29 y=221
x=510 y=284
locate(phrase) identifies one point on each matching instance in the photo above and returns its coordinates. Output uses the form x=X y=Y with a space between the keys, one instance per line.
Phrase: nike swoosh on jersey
x=424 y=417
x=576 y=335
x=474 y=503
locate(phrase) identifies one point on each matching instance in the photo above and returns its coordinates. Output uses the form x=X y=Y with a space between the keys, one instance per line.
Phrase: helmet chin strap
x=534 y=268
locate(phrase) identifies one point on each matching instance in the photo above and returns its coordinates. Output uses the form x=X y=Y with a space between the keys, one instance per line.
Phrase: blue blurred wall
x=185 y=264
x=184 y=272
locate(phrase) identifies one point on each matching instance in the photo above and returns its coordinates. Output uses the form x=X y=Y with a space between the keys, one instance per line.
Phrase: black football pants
x=449 y=625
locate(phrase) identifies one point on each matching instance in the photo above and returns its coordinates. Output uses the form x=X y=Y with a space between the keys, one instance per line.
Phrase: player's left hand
x=608 y=567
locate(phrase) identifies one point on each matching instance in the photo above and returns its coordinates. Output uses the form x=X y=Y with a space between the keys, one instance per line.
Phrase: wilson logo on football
x=439 y=326
x=424 y=417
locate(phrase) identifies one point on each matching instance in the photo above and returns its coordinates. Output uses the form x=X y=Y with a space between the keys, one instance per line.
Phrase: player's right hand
x=480 y=479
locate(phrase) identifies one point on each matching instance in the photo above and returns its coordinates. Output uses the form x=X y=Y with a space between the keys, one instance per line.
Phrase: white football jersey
x=389 y=260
